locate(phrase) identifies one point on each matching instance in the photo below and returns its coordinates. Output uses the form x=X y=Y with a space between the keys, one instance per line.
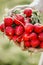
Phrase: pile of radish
x=24 y=26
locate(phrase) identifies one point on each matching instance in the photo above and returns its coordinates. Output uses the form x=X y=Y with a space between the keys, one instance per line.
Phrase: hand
x=21 y=7
x=36 y=4
x=17 y=7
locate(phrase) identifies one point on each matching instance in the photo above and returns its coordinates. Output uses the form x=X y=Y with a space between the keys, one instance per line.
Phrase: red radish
x=42 y=27
x=8 y=21
x=19 y=30
x=28 y=12
x=33 y=36
x=17 y=22
x=9 y=31
x=35 y=43
x=40 y=36
x=27 y=44
x=37 y=28
x=20 y=17
x=29 y=27
x=19 y=39
x=15 y=38
x=26 y=37
x=41 y=45
x=2 y=27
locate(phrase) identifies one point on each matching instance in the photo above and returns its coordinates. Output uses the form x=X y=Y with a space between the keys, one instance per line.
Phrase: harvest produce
x=24 y=28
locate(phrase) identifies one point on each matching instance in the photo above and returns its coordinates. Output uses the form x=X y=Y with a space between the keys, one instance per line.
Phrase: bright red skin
x=28 y=12
x=8 y=21
x=41 y=45
x=27 y=44
x=9 y=31
x=19 y=30
x=26 y=37
x=29 y=27
x=35 y=43
x=33 y=36
x=2 y=27
x=15 y=38
x=40 y=36
x=20 y=18
x=16 y=21
x=19 y=39
x=37 y=28
x=42 y=27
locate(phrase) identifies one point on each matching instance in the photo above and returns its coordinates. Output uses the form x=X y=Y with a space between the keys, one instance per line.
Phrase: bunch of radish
x=24 y=26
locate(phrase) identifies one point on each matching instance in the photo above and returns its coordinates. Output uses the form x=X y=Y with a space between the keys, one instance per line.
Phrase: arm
x=41 y=59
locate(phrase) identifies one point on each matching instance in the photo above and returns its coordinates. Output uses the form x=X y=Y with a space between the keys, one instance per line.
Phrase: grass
x=10 y=54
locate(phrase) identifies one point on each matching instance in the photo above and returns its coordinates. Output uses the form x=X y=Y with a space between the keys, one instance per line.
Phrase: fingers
x=17 y=7
x=21 y=7
x=13 y=9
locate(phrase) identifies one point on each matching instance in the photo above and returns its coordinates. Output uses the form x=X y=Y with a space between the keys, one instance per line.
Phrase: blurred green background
x=10 y=54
